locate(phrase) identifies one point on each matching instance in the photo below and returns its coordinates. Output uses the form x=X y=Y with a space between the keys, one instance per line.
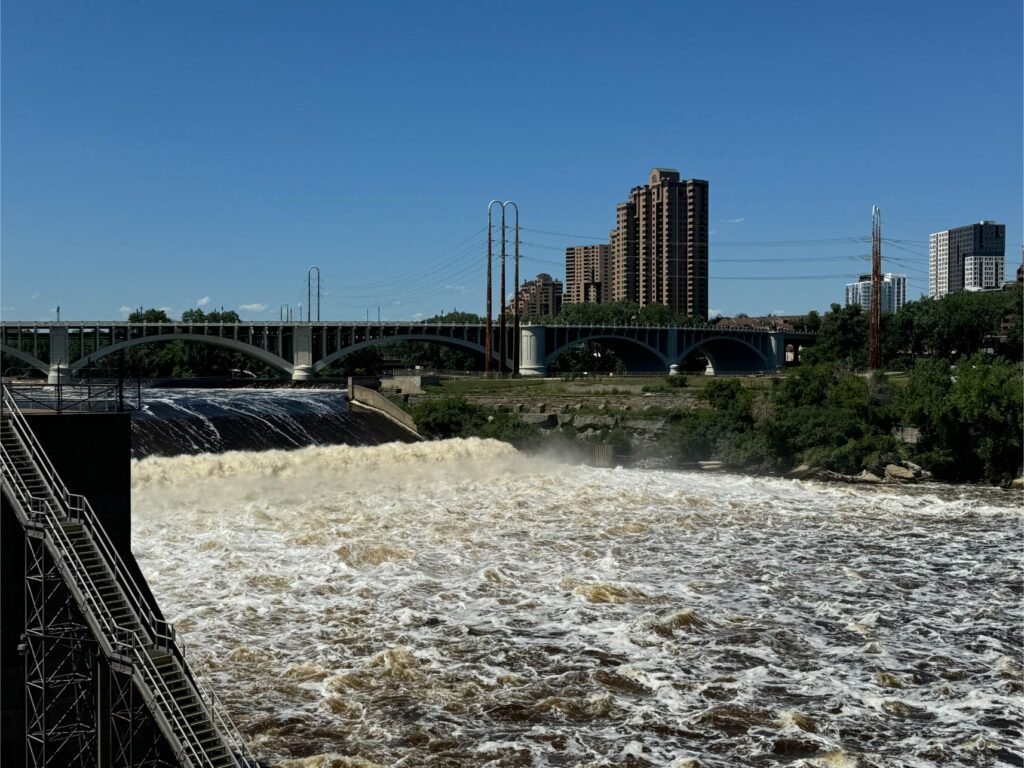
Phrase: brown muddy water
x=459 y=604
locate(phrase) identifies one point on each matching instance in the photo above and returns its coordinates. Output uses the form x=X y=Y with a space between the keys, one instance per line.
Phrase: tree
x=363 y=362
x=589 y=357
x=842 y=338
x=456 y=318
x=969 y=417
x=149 y=316
x=197 y=315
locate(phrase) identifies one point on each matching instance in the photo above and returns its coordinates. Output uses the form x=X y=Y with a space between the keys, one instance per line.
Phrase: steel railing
x=87 y=396
x=49 y=513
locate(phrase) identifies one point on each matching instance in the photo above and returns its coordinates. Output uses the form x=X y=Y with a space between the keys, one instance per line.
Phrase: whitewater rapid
x=459 y=604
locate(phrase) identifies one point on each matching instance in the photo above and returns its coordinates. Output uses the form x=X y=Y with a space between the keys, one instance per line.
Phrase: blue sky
x=206 y=154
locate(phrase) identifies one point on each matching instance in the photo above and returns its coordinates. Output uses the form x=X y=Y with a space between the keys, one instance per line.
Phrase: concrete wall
x=368 y=398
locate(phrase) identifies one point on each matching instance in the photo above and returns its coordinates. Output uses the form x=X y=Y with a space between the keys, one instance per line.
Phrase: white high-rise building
x=970 y=258
x=894 y=292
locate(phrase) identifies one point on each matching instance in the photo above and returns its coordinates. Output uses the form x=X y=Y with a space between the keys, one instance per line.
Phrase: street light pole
x=309 y=294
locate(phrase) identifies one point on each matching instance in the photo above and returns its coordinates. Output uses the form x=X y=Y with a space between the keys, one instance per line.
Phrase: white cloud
x=778 y=312
x=126 y=310
x=203 y=301
x=456 y=288
x=738 y=220
x=7 y=309
x=252 y=307
x=35 y=295
x=418 y=316
x=714 y=313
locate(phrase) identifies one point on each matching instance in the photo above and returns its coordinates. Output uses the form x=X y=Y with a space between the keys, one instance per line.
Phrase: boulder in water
x=894 y=473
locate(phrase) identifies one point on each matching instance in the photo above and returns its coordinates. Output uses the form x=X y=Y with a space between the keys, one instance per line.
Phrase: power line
x=736 y=243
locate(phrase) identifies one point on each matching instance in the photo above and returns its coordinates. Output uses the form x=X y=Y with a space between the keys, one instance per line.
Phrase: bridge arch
x=652 y=354
x=446 y=341
x=25 y=357
x=728 y=354
x=278 y=363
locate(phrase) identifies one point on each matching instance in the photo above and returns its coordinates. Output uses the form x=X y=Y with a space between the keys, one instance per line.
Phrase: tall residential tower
x=660 y=244
x=658 y=251
x=587 y=273
x=893 y=294
x=970 y=258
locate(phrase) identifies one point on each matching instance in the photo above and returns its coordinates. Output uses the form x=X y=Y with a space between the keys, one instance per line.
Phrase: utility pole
x=503 y=337
x=490 y=290
x=875 y=321
x=515 y=321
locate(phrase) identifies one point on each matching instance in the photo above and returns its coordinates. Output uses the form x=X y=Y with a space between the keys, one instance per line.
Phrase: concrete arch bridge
x=300 y=351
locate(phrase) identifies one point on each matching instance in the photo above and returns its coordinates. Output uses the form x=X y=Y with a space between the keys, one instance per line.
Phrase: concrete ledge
x=374 y=401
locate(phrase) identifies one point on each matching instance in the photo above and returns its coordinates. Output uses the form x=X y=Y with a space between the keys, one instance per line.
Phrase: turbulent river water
x=459 y=604
x=190 y=421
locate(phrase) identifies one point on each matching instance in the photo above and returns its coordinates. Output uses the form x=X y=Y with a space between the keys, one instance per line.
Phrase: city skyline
x=207 y=156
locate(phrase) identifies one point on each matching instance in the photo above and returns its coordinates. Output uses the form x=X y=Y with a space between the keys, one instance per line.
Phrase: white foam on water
x=458 y=603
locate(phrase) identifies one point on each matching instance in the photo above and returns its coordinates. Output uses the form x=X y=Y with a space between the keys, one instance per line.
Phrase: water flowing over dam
x=191 y=421
x=459 y=604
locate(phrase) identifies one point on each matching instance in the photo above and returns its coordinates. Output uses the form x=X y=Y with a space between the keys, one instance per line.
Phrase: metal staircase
x=153 y=676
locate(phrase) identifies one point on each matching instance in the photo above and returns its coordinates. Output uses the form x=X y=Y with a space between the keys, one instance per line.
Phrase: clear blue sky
x=182 y=154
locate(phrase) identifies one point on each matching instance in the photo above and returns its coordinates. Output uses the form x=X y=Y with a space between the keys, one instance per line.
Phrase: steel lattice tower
x=875 y=321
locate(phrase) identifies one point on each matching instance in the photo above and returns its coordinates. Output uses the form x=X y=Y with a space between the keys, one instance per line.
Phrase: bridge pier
x=778 y=347
x=531 y=351
x=672 y=352
x=59 y=363
x=302 y=353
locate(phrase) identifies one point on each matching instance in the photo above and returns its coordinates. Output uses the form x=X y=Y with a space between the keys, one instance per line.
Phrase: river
x=178 y=421
x=460 y=604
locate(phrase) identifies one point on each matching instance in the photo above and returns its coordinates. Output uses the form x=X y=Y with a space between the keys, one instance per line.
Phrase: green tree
x=456 y=318
x=842 y=338
x=969 y=417
x=149 y=316
x=589 y=357
x=457 y=417
x=363 y=362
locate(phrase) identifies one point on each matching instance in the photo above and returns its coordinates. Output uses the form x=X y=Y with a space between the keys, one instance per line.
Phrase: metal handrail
x=62 y=506
x=76 y=507
x=110 y=395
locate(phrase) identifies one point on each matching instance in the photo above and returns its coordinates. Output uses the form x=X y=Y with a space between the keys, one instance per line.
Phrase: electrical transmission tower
x=875 y=321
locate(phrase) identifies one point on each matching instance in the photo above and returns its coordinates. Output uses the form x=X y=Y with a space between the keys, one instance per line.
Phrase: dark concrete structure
x=92 y=453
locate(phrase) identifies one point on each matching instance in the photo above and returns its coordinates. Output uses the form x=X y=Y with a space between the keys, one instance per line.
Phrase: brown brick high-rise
x=659 y=247
x=587 y=274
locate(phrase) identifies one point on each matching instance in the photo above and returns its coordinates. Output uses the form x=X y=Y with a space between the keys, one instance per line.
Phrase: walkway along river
x=459 y=604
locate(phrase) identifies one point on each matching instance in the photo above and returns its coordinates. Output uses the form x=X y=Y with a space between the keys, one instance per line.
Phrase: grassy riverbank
x=965 y=421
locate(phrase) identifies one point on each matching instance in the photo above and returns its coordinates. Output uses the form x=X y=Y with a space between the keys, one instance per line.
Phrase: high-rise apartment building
x=538 y=297
x=970 y=258
x=893 y=290
x=660 y=244
x=587 y=274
